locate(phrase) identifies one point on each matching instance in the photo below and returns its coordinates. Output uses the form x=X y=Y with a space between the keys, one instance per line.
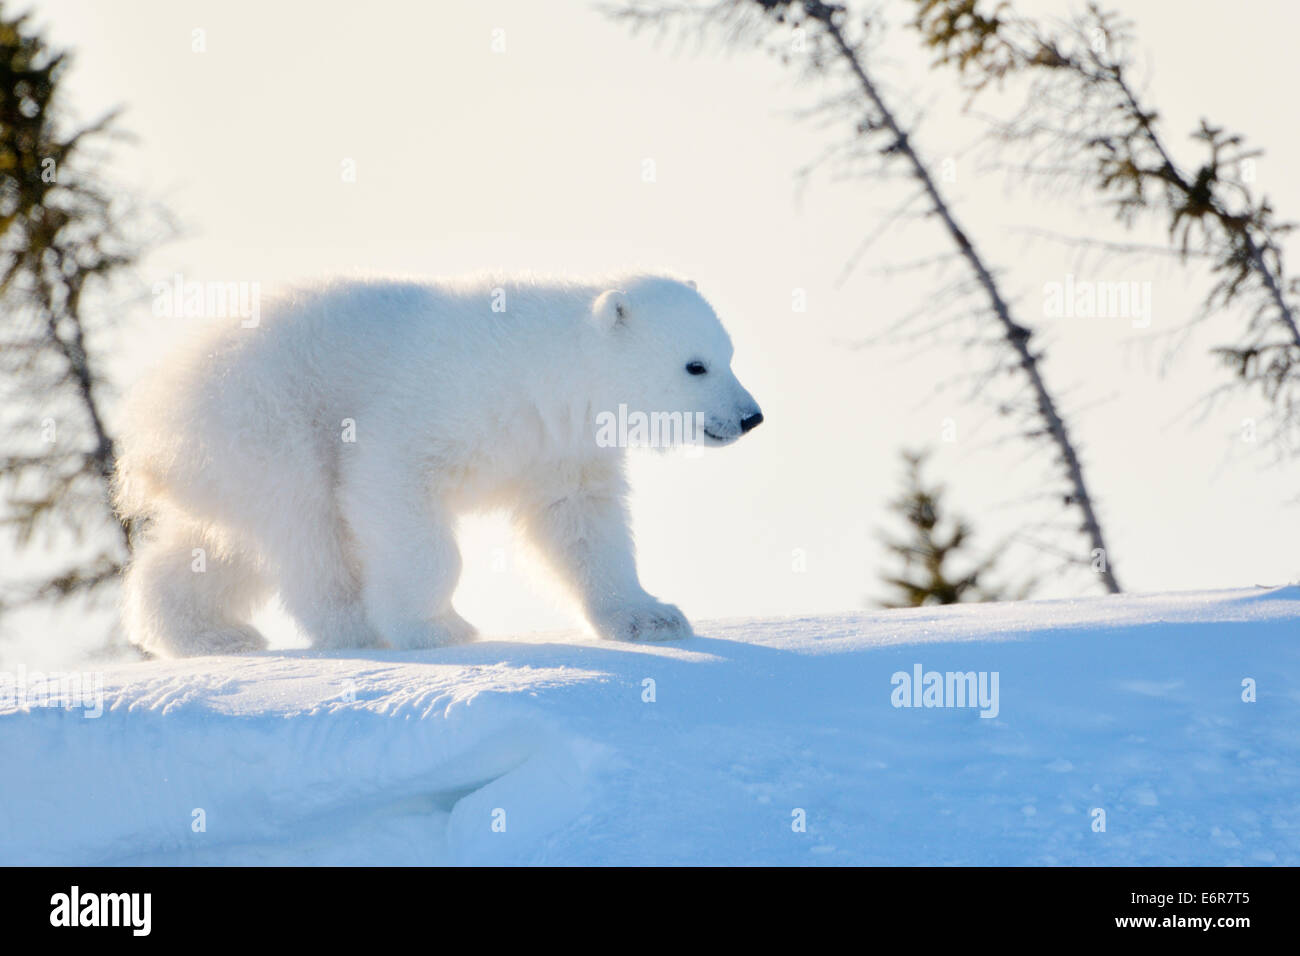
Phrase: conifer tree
x=935 y=550
x=1085 y=117
x=64 y=241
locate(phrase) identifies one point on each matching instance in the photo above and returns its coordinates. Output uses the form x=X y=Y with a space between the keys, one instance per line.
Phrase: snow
x=544 y=750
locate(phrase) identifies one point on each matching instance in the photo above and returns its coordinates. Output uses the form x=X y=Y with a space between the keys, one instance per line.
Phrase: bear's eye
x=696 y=368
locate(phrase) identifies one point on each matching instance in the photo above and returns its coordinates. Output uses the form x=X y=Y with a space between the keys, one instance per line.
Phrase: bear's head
x=670 y=364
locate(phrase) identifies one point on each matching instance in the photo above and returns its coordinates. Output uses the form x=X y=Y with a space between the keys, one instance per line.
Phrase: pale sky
x=532 y=158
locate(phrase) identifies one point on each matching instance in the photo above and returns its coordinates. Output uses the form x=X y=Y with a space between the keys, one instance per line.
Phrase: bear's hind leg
x=186 y=593
x=320 y=584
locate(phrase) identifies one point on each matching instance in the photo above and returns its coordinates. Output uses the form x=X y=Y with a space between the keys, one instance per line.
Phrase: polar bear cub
x=324 y=454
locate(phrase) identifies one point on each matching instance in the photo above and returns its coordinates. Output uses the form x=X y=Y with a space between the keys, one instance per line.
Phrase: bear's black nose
x=753 y=421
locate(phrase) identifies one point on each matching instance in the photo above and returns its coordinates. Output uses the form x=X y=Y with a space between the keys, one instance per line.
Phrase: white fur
x=236 y=447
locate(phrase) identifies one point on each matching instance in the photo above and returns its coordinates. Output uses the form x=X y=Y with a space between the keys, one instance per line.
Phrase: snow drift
x=1128 y=730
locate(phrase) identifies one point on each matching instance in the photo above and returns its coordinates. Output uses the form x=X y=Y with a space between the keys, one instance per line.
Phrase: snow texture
x=545 y=750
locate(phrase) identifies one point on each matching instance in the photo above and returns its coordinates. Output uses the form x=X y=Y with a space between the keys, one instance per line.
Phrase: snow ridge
x=1173 y=721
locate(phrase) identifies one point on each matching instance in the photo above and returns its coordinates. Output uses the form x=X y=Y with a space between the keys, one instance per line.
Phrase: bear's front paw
x=655 y=621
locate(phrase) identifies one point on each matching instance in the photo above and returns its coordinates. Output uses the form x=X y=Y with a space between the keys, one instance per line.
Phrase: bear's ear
x=611 y=308
x=691 y=283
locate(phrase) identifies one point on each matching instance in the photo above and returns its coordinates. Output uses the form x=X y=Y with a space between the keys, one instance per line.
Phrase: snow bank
x=767 y=741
